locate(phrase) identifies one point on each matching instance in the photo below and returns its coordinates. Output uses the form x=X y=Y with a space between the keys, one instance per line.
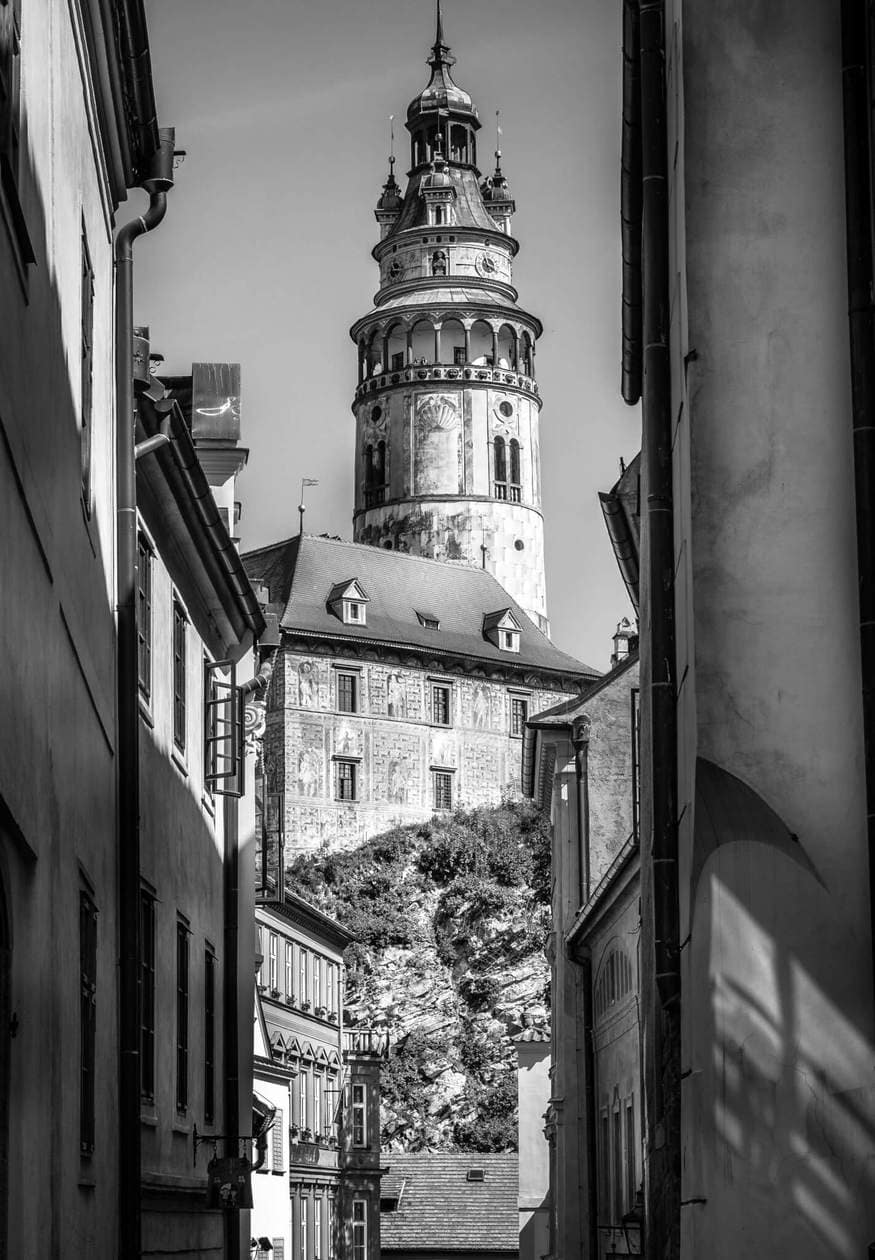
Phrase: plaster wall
x=768 y=653
x=271 y=1208
x=533 y=1089
x=610 y=771
x=57 y=792
x=182 y=849
x=393 y=740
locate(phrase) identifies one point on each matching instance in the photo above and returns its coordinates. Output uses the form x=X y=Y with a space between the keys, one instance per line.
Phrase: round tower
x=447 y=460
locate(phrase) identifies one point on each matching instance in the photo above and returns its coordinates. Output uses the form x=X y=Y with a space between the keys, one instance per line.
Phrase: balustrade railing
x=366 y=1041
x=413 y=372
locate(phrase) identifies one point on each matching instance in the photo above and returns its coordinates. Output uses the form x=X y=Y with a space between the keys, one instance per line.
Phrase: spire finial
x=391 y=146
x=498 y=134
x=439 y=30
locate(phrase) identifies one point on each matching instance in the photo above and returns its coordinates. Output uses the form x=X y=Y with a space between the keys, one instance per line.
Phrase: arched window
x=500 y=468
x=369 y=467
x=375 y=474
x=380 y=464
x=514 y=470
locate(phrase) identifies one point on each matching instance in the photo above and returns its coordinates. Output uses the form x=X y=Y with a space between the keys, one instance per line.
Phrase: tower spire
x=440 y=49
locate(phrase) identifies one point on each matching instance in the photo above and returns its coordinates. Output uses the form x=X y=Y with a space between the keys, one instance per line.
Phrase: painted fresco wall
x=439 y=444
x=778 y=1108
x=395 y=742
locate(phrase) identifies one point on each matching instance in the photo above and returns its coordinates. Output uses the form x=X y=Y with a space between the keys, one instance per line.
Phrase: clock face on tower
x=485 y=264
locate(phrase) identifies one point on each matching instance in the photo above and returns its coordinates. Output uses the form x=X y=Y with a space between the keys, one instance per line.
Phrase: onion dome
x=442 y=94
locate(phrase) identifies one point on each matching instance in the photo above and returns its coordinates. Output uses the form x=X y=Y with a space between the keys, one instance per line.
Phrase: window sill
x=146 y=711
x=181 y=1125
x=89 y=523
x=178 y=759
x=150 y=1121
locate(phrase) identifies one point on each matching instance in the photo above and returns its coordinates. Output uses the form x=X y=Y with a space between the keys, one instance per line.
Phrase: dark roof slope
x=441 y=1210
x=301 y=572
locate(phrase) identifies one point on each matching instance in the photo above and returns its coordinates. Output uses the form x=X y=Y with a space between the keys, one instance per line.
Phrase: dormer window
x=349 y=602
x=428 y=620
x=502 y=629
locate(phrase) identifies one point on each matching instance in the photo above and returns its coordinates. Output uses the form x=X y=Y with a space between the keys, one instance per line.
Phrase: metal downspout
x=127 y=703
x=861 y=318
x=662 y=1072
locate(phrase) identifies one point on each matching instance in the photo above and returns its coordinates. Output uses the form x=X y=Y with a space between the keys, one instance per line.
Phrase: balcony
x=366 y=1041
x=468 y=374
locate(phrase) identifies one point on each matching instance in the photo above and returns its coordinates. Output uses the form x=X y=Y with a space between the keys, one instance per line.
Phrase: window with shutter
x=277 y=1156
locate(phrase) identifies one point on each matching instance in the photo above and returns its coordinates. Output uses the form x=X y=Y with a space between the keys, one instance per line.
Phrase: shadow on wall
x=781 y=1109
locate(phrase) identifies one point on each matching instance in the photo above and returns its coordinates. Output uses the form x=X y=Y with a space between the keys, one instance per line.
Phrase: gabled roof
x=301 y=572
x=440 y=1210
x=502 y=619
x=348 y=589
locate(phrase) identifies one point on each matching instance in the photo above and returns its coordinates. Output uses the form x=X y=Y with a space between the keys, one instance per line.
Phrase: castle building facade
x=412 y=657
x=447 y=461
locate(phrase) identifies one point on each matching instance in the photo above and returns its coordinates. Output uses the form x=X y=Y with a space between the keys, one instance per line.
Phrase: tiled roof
x=301 y=572
x=441 y=1210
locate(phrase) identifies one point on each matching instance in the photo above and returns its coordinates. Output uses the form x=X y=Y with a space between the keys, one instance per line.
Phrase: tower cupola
x=442 y=108
x=447 y=459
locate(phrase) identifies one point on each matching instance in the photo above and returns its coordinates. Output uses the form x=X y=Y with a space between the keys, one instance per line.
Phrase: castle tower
x=447 y=458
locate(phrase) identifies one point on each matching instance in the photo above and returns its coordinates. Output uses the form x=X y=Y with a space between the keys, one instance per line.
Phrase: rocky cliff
x=450 y=919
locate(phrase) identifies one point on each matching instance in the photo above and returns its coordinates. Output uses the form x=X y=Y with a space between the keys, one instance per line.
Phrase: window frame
x=442 y=789
x=209 y=1034
x=359 y=1229
x=447 y=690
x=146 y=993
x=183 y=1028
x=87 y=1020
x=145 y=561
x=358 y=1110
x=342 y=765
x=517 y=728
x=347 y=681
x=179 y=675
x=289 y=969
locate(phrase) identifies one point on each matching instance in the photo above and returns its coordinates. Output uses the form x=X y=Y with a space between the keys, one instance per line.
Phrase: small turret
x=496 y=192
x=390 y=204
x=438 y=191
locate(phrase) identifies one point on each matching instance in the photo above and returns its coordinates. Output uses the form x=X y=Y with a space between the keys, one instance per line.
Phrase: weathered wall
x=778 y=1112
x=57 y=775
x=533 y=1091
x=181 y=861
x=440 y=473
x=395 y=741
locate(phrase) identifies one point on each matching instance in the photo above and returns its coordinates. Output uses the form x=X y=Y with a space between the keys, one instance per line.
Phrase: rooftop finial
x=391 y=145
x=439 y=31
x=498 y=135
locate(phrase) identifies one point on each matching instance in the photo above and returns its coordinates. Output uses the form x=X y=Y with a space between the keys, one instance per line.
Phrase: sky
x=264 y=256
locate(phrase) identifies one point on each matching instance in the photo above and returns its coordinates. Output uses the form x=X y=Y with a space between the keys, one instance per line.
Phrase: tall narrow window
x=345 y=780
x=290 y=987
x=181 y=1015
x=304 y=1099
x=331 y=986
x=179 y=643
x=617 y=1171
x=87 y=342
x=630 y=1156
x=443 y=789
x=302 y=1230
x=500 y=468
x=317 y=1228
x=303 y=975
x=147 y=994
x=271 y=962
x=209 y=1035
x=359 y=1229
x=87 y=1018
x=605 y=1169
x=359 y=1115
x=347 y=692
x=317 y=982
x=514 y=470
x=277 y=1152
x=144 y=616
x=441 y=713
x=519 y=712
x=331 y=1242
x=318 y=1105
x=259 y=962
